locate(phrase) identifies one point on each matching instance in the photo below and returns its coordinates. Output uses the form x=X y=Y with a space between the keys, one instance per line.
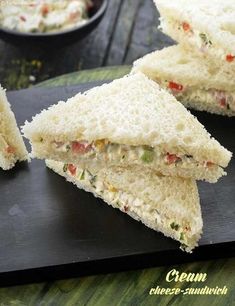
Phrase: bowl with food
x=49 y=21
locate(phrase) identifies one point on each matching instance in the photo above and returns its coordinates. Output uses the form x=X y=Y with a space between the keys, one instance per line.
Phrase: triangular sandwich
x=166 y=204
x=130 y=121
x=12 y=148
x=192 y=79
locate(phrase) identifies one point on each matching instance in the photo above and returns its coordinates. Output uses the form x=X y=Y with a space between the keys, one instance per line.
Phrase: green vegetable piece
x=181 y=236
x=82 y=177
x=147 y=156
x=175 y=226
x=65 y=168
x=205 y=39
x=92 y=179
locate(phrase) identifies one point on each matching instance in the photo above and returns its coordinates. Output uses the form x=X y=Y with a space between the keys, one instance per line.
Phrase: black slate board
x=49 y=229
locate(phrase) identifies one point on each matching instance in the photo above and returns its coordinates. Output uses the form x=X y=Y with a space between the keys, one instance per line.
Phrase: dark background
x=127 y=32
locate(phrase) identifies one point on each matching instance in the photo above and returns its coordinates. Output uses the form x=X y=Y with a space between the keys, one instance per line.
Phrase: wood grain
x=128 y=31
x=123 y=33
x=146 y=37
x=126 y=288
x=83 y=76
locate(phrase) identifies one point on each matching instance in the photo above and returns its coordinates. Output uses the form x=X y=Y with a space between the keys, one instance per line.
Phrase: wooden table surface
x=128 y=31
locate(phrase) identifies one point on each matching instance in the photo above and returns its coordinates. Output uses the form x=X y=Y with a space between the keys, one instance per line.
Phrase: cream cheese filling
x=126 y=202
x=3 y=143
x=44 y=16
x=221 y=99
x=196 y=38
x=6 y=149
x=103 y=150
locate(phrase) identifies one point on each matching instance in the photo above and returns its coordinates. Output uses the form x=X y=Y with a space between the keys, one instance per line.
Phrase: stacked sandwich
x=12 y=148
x=134 y=145
x=200 y=70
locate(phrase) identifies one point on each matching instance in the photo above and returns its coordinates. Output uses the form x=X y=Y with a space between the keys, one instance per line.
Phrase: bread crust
x=171 y=198
x=10 y=134
x=195 y=73
x=190 y=68
x=214 y=18
x=132 y=111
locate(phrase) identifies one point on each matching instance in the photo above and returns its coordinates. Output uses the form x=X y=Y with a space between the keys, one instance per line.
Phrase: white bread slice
x=204 y=85
x=204 y=25
x=12 y=148
x=129 y=114
x=166 y=204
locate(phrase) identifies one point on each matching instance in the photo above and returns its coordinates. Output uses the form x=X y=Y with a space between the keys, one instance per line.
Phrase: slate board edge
x=29 y=275
x=113 y=265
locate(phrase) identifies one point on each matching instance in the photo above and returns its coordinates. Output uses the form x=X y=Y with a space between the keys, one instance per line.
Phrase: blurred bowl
x=60 y=38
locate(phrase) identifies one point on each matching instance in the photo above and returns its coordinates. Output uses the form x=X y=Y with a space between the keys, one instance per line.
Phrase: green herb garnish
x=92 y=179
x=181 y=236
x=82 y=176
x=188 y=156
x=205 y=39
x=68 y=148
x=174 y=226
x=65 y=168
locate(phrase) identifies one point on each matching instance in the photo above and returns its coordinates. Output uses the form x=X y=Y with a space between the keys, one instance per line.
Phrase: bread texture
x=12 y=148
x=165 y=204
x=131 y=111
x=203 y=25
x=204 y=85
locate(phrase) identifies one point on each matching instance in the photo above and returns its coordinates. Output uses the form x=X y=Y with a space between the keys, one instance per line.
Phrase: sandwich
x=130 y=121
x=12 y=148
x=166 y=204
x=192 y=79
x=203 y=25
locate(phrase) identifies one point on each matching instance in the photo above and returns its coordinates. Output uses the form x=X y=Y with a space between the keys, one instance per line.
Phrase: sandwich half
x=130 y=121
x=192 y=79
x=166 y=204
x=207 y=26
x=12 y=148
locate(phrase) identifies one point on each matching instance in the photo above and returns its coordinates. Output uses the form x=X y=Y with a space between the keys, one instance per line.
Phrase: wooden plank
x=120 y=40
x=146 y=36
x=127 y=288
x=17 y=64
x=93 y=49
x=128 y=31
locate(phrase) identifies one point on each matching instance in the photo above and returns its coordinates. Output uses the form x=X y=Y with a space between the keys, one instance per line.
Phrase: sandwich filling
x=222 y=99
x=103 y=150
x=7 y=150
x=44 y=16
x=127 y=203
x=196 y=38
